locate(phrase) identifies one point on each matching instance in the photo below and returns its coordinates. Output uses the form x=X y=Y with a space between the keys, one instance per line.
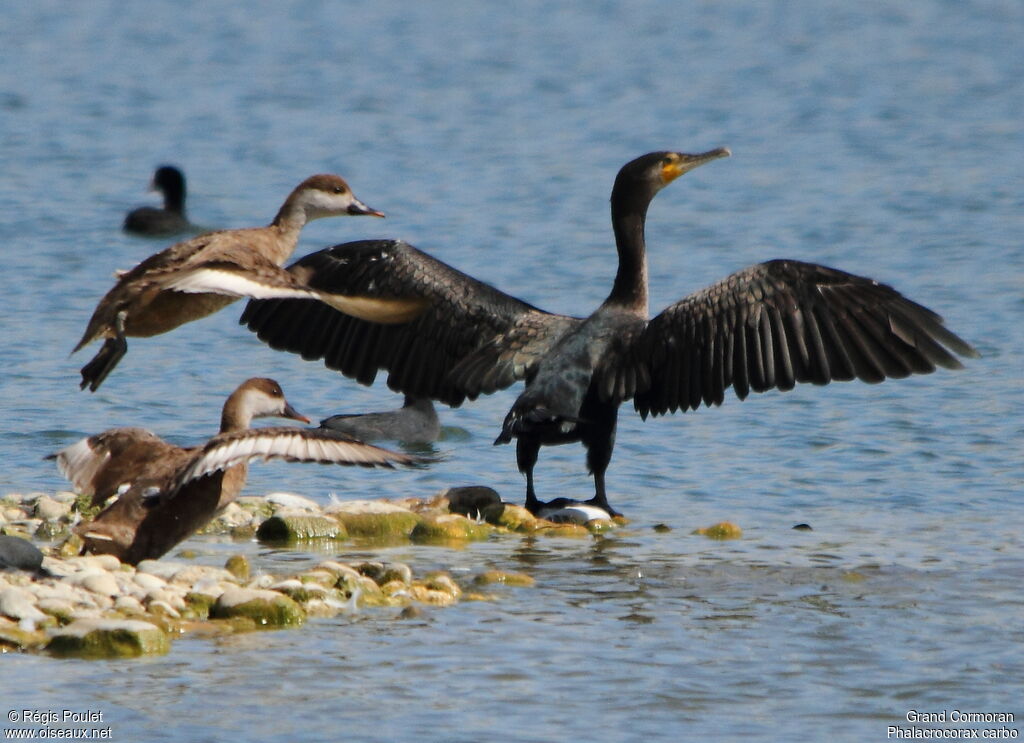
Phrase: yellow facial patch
x=671 y=169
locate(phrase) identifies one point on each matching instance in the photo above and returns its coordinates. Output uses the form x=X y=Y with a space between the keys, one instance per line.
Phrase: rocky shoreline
x=95 y=606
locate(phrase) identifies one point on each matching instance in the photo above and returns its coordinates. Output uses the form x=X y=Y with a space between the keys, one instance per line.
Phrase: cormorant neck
x=630 y=287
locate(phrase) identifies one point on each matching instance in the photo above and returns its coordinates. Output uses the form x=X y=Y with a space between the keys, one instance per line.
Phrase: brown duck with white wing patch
x=195 y=278
x=168 y=492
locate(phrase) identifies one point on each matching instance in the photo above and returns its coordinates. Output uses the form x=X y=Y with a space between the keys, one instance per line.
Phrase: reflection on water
x=880 y=138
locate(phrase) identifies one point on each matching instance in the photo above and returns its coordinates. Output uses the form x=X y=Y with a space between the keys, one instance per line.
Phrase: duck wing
x=101 y=465
x=288 y=443
x=775 y=324
x=461 y=337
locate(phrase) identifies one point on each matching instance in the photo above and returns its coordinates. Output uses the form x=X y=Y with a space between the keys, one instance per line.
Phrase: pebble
x=103 y=584
x=50 y=509
x=291 y=500
x=19 y=604
x=97 y=596
x=19 y=553
x=149 y=582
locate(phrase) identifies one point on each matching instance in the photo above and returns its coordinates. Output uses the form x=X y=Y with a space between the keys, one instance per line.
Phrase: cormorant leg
x=104 y=362
x=599 y=440
x=600 y=499
x=526 y=457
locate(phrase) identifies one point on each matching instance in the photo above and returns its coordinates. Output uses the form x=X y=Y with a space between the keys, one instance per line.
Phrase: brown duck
x=197 y=277
x=167 y=492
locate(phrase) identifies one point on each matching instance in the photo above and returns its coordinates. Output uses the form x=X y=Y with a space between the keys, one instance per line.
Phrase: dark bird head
x=639 y=180
x=168 y=179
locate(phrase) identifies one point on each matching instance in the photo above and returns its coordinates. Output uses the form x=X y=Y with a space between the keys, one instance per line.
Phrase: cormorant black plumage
x=768 y=326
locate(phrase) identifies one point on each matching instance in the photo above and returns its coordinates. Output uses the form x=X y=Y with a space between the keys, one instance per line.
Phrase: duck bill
x=358 y=208
x=290 y=412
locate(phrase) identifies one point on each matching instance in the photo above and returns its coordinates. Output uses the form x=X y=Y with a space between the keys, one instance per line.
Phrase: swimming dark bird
x=767 y=326
x=195 y=278
x=152 y=221
x=167 y=492
x=415 y=422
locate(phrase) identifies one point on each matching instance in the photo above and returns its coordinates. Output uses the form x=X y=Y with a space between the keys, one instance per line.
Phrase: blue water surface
x=883 y=138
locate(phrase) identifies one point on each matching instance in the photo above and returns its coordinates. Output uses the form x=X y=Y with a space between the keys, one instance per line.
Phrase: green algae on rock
x=722 y=530
x=503 y=577
x=265 y=608
x=374 y=519
x=449 y=528
x=512 y=517
x=299 y=527
x=14 y=637
x=109 y=638
x=238 y=566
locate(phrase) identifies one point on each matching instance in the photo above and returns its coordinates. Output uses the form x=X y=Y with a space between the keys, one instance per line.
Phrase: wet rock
x=367 y=593
x=551 y=529
x=437 y=589
x=410 y=612
x=198 y=605
x=19 y=554
x=511 y=517
x=301 y=592
x=71 y=546
x=265 y=608
x=471 y=500
x=238 y=566
x=449 y=528
x=722 y=530
x=385 y=572
x=295 y=527
x=108 y=638
x=374 y=519
x=490 y=577
x=166 y=596
x=15 y=637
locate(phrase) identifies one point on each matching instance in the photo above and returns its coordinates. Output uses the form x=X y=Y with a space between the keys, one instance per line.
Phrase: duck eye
x=339 y=189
